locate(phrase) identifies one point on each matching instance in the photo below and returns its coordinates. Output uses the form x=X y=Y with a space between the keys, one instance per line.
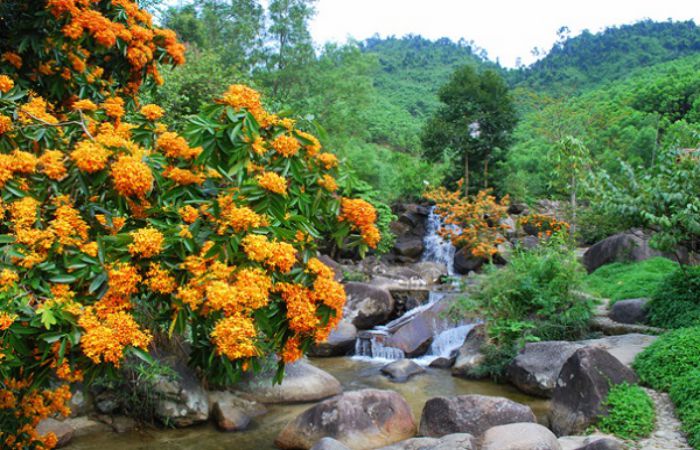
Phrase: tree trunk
x=486 y=173
x=573 y=206
x=466 y=175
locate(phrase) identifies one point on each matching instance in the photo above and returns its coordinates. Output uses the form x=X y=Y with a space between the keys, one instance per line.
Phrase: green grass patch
x=676 y=303
x=620 y=281
x=630 y=412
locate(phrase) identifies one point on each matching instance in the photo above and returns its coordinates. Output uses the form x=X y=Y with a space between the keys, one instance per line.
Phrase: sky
x=506 y=29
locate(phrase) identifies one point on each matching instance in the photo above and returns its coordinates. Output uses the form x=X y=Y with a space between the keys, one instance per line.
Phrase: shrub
x=619 y=281
x=630 y=412
x=685 y=393
x=532 y=298
x=671 y=355
x=542 y=226
x=676 y=302
x=116 y=230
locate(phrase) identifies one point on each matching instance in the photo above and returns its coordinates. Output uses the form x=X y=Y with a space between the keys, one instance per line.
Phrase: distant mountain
x=588 y=59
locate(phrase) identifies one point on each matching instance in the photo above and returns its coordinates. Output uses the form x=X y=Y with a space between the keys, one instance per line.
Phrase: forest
x=217 y=232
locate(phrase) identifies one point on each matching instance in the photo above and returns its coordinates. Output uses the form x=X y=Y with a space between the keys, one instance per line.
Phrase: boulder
x=517 y=208
x=340 y=342
x=181 y=399
x=630 y=311
x=81 y=402
x=536 y=368
x=519 y=436
x=529 y=242
x=63 y=431
x=430 y=272
x=596 y=441
x=457 y=441
x=442 y=362
x=473 y=414
x=411 y=246
x=624 y=347
x=231 y=412
x=414 y=334
x=465 y=262
x=302 y=383
x=582 y=387
x=629 y=246
x=364 y=419
x=469 y=356
x=367 y=305
x=402 y=369
x=329 y=444
x=604 y=444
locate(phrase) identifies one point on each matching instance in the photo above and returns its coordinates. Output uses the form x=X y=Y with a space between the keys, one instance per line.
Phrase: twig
x=62 y=124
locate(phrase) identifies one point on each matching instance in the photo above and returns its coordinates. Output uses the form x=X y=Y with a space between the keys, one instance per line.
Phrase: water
x=437 y=248
x=352 y=374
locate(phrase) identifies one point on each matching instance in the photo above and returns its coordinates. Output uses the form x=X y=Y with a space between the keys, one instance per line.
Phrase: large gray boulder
x=181 y=399
x=630 y=311
x=582 y=387
x=469 y=356
x=473 y=414
x=465 y=262
x=536 y=368
x=410 y=246
x=367 y=305
x=341 y=341
x=302 y=382
x=365 y=419
x=457 y=441
x=629 y=246
x=519 y=436
x=231 y=412
x=624 y=347
x=329 y=444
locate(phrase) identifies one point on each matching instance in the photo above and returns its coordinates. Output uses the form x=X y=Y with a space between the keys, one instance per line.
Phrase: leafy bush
x=630 y=412
x=532 y=298
x=676 y=302
x=671 y=355
x=619 y=281
x=685 y=393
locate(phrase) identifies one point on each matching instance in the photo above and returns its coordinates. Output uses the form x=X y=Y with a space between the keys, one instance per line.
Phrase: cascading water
x=437 y=248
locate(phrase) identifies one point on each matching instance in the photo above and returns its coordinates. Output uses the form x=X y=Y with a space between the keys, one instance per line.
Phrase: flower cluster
x=474 y=222
x=363 y=217
x=541 y=225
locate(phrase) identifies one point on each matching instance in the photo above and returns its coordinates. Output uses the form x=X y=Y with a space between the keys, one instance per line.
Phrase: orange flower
x=6 y=84
x=106 y=339
x=328 y=183
x=114 y=107
x=132 y=177
x=147 y=242
x=327 y=160
x=89 y=156
x=183 y=177
x=51 y=164
x=5 y=124
x=159 y=280
x=188 y=214
x=84 y=105
x=272 y=182
x=175 y=146
x=152 y=112
x=234 y=337
x=286 y=146
x=13 y=59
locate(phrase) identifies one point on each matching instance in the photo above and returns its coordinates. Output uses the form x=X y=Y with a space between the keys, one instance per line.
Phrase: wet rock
x=444 y=363
x=367 y=305
x=630 y=311
x=329 y=444
x=414 y=335
x=182 y=401
x=519 y=436
x=63 y=431
x=406 y=299
x=464 y=262
x=230 y=418
x=340 y=342
x=536 y=368
x=402 y=370
x=629 y=246
x=364 y=419
x=473 y=414
x=469 y=355
x=302 y=383
x=582 y=387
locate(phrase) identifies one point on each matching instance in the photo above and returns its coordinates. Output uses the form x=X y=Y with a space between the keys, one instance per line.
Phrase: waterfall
x=437 y=248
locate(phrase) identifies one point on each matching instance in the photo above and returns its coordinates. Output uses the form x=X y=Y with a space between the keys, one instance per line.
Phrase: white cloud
x=507 y=29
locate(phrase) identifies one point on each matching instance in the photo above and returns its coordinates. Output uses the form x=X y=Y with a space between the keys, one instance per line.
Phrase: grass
x=620 y=281
x=630 y=412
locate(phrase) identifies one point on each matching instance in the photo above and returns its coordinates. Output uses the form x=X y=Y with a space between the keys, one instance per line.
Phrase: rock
x=406 y=299
x=464 y=262
x=529 y=242
x=604 y=444
x=517 y=208
x=430 y=272
x=505 y=253
x=630 y=311
x=609 y=327
x=237 y=400
x=536 y=368
x=367 y=306
x=122 y=424
x=363 y=419
x=469 y=355
x=582 y=387
x=411 y=246
x=457 y=441
x=629 y=246
x=415 y=334
x=444 y=363
x=473 y=414
x=181 y=400
x=302 y=383
x=330 y=262
x=402 y=369
x=419 y=443
x=595 y=441
x=80 y=403
x=340 y=342
x=329 y=444
x=508 y=225
x=624 y=347
x=230 y=418
x=519 y=436
x=62 y=430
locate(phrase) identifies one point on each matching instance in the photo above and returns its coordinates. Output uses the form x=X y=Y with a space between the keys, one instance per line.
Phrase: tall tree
x=473 y=124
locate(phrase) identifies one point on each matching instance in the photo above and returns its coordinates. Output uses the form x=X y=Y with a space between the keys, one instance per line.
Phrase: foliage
x=676 y=302
x=472 y=222
x=532 y=298
x=619 y=281
x=670 y=356
x=541 y=225
x=685 y=394
x=473 y=125
x=630 y=412
x=116 y=230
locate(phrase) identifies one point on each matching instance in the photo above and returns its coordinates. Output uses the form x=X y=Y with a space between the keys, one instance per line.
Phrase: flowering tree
x=473 y=222
x=115 y=229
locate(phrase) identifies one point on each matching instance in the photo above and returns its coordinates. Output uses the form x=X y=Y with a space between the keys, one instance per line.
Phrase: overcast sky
x=507 y=29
